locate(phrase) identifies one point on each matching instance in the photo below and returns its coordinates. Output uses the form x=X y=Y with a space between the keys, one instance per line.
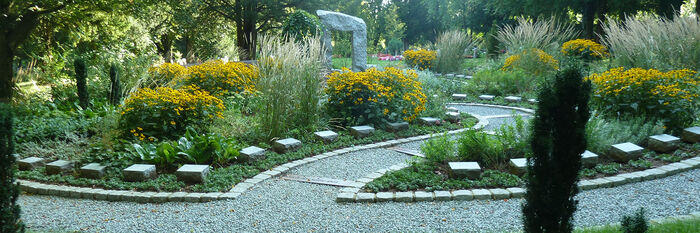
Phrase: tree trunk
x=246 y=28
x=588 y=18
x=164 y=47
x=6 y=72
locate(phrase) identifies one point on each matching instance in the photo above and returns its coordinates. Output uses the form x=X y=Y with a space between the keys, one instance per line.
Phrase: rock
x=385 y=196
x=453 y=117
x=286 y=145
x=663 y=143
x=366 y=197
x=691 y=135
x=58 y=167
x=423 y=196
x=396 y=126
x=481 y=194
x=450 y=75
x=459 y=96
x=326 y=136
x=471 y=170
x=513 y=99
x=443 y=195
x=452 y=109
x=30 y=163
x=459 y=76
x=533 y=101
x=253 y=153
x=361 y=131
x=518 y=166
x=139 y=172
x=192 y=174
x=468 y=77
x=589 y=159
x=404 y=196
x=463 y=195
x=429 y=121
x=499 y=194
x=342 y=22
x=487 y=97
x=92 y=171
x=624 y=152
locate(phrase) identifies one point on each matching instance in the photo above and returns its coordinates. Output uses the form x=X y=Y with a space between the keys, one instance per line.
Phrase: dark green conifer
x=9 y=190
x=81 y=82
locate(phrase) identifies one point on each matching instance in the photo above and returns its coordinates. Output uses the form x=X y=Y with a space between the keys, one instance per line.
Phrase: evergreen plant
x=9 y=189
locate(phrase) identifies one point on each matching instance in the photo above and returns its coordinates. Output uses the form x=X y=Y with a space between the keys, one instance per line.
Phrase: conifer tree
x=81 y=82
x=9 y=190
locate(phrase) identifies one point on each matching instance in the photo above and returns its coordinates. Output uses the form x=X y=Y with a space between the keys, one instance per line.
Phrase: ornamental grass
x=545 y=35
x=451 y=46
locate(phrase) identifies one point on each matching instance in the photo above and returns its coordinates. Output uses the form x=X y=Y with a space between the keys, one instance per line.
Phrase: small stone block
x=229 y=196
x=139 y=172
x=471 y=170
x=518 y=166
x=468 y=77
x=423 y=196
x=385 y=196
x=207 y=197
x=516 y=192
x=443 y=195
x=513 y=99
x=92 y=171
x=499 y=194
x=396 y=126
x=192 y=174
x=587 y=185
x=624 y=152
x=102 y=195
x=453 y=117
x=532 y=101
x=449 y=75
x=253 y=153
x=160 y=197
x=663 y=143
x=30 y=163
x=366 y=197
x=193 y=197
x=487 y=97
x=361 y=131
x=452 y=109
x=463 y=195
x=481 y=194
x=589 y=159
x=177 y=197
x=429 y=121
x=691 y=135
x=350 y=190
x=616 y=180
x=286 y=145
x=459 y=76
x=58 y=167
x=459 y=96
x=345 y=197
x=404 y=196
x=326 y=136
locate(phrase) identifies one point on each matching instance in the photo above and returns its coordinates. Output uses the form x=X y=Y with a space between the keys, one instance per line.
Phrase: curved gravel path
x=288 y=206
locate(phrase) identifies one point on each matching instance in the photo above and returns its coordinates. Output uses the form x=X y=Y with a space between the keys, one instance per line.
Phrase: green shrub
x=608 y=169
x=301 y=25
x=115 y=91
x=514 y=138
x=451 y=46
x=502 y=83
x=480 y=147
x=604 y=132
x=640 y=163
x=191 y=148
x=9 y=190
x=81 y=83
x=395 y=46
x=636 y=223
x=439 y=150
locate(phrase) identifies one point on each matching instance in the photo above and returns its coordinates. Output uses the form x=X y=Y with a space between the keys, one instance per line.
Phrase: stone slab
x=663 y=143
x=345 y=197
x=481 y=194
x=326 y=136
x=139 y=172
x=691 y=135
x=361 y=131
x=192 y=174
x=624 y=152
x=30 y=163
x=470 y=170
x=453 y=117
x=58 y=167
x=385 y=196
x=286 y=145
x=428 y=121
x=589 y=159
x=516 y=192
x=423 y=196
x=452 y=109
x=518 y=166
x=499 y=194
x=443 y=195
x=92 y=171
x=487 y=97
x=513 y=99
x=404 y=196
x=366 y=197
x=396 y=126
x=459 y=96
x=253 y=153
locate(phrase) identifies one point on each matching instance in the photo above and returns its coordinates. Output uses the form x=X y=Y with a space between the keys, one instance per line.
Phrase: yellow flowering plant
x=150 y=114
x=421 y=59
x=164 y=74
x=668 y=96
x=374 y=96
x=533 y=61
x=222 y=79
x=587 y=50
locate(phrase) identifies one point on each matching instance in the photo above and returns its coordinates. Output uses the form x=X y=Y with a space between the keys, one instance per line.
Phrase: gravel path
x=483 y=110
x=351 y=166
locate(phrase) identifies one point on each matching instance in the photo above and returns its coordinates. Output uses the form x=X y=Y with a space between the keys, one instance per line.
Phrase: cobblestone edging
x=160 y=197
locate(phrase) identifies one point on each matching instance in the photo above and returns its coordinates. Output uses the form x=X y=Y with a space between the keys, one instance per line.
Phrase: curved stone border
x=527 y=110
x=354 y=194
x=160 y=197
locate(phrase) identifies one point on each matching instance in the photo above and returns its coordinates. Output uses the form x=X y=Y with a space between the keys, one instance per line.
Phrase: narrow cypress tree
x=115 y=94
x=81 y=82
x=557 y=144
x=9 y=190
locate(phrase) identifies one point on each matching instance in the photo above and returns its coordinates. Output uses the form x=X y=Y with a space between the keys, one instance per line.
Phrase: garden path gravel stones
x=351 y=166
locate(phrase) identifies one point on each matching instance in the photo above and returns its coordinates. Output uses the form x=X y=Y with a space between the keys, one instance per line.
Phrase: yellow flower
x=584 y=48
x=172 y=122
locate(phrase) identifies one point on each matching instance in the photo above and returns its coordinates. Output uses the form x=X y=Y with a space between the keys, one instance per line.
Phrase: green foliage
x=9 y=191
x=640 y=164
x=604 y=132
x=115 y=92
x=514 y=138
x=636 y=223
x=439 y=150
x=81 y=83
x=557 y=143
x=608 y=169
x=503 y=83
x=301 y=25
x=395 y=46
x=543 y=34
x=451 y=46
x=480 y=147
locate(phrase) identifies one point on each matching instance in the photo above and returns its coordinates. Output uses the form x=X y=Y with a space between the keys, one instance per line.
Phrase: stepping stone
x=396 y=126
x=589 y=159
x=691 y=135
x=624 y=152
x=459 y=96
x=452 y=109
x=487 y=97
x=429 y=121
x=92 y=171
x=30 y=163
x=533 y=101
x=192 y=174
x=253 y=153
x=513 y=99
x=286 y=145
x=139 y=172
x=459 y=76
x=518 y=166
x=58 y=167
x=438 y=74
x=450 y=75
x=663 y=143
x=361 y=131
x=453 y=117
x=326 y=136
x=471 y=170
x=469 y=77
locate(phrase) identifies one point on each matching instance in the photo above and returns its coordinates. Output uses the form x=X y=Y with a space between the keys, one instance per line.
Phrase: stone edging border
x=161 y=197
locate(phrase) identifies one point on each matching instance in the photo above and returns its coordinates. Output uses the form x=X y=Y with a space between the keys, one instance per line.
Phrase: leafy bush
x=650 y=42
x=395 y=46
x=163 y=74
x=502 y=83
x=636 y=223
x=608 y=169
x=515 y=139
x=451 y=46
x=300 y=25
x=478 y=146
x=640 y=163
x=439 y=150
x=587 y=50
x=375 y=97
x=9 y=190
x=222 y=79
x=545 y=35
x=191 y=148
x=421 y=59
x=532 y=61
x=668 y=96
x=604 y=132
x=165 y=112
